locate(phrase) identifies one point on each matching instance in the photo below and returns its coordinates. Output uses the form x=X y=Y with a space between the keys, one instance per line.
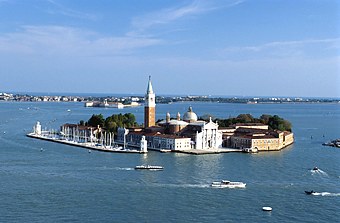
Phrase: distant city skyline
x=233 y=47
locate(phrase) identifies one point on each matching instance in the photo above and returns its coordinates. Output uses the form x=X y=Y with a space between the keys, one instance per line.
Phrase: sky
x=189 y=47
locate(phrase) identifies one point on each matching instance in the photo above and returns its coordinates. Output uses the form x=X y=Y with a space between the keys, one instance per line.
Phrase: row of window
x=264 y=141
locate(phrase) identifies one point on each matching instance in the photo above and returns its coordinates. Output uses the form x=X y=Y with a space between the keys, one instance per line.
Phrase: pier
x=85 y=138
x=90 y=146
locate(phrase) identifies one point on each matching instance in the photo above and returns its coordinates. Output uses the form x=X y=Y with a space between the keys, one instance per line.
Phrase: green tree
x=111 y=126
x=265 y=118
x=287 y=125
x=245 y=118
x=96 y=120
x=113 y=122
x=276 y=122
x=129 y=119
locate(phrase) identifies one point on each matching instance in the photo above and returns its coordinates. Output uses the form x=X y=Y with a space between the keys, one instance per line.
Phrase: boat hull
x=228 y=184
x=149 y=167
x=267 y=208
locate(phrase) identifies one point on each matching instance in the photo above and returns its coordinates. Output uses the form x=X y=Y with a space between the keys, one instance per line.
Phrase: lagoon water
x=67 y=184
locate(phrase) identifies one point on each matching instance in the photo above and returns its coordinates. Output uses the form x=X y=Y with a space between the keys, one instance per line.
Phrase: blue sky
x=231 y=47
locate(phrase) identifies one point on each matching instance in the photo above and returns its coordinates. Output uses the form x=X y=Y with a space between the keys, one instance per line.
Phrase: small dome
x=190 y=116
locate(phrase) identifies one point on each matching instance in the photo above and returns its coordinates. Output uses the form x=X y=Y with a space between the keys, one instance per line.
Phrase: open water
x=67 y=184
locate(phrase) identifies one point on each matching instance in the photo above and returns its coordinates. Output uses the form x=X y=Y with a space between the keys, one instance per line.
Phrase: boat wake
x=326 y=194
x=124 y=168
x=184 y=185
x=195 y=185
x=114 y=168
x=319 y=172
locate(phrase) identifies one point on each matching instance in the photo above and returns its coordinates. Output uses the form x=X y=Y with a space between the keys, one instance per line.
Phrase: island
x=187 y=134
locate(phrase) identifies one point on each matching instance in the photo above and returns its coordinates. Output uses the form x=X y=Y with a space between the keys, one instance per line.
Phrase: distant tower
x=150 y=106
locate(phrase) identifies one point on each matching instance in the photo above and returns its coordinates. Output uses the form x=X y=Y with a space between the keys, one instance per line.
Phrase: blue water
x=68 y=184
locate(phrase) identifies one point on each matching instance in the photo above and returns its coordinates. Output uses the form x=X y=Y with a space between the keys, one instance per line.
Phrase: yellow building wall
x=271 y=144
x=266 y=144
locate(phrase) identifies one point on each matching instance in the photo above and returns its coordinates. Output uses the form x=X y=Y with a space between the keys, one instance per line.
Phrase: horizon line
x=89 y=94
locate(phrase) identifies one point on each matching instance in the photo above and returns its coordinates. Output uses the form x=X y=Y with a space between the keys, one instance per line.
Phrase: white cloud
x=287 y=48
x=169 y=15
x=300 y=43
x=61 y=40
x=61 y=9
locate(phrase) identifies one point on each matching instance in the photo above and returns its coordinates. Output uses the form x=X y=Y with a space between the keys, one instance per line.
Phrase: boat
x=250 y=150
x=228 y=184
x=267 y=208
x=309 y=192
x=315 y=168
x=333 y=143
x=148 y=167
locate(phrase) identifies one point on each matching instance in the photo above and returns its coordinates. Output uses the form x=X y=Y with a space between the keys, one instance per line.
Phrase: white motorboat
x=148 y=167
x=250 y=150
x=267 y=208
x=228 y=184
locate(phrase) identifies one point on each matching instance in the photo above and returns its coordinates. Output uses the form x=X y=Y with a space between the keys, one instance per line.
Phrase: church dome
x=190 y=116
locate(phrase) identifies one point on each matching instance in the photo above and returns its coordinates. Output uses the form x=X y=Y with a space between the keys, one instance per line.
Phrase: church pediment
x=211 y=125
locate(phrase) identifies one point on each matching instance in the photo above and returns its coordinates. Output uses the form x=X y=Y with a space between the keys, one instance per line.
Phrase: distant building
x=257 y=137
x=89 y=104
x=108 y=104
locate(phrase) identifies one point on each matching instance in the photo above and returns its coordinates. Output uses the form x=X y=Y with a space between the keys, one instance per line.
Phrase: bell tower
x=150 y=105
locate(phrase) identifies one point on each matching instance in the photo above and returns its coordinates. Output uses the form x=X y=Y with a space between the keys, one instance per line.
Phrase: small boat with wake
x=227 y=184
x=148 y=167
x=315 y=168
x=309 y=192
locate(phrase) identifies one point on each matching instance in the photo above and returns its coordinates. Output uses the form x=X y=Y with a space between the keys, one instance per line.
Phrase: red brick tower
x=150 y=106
